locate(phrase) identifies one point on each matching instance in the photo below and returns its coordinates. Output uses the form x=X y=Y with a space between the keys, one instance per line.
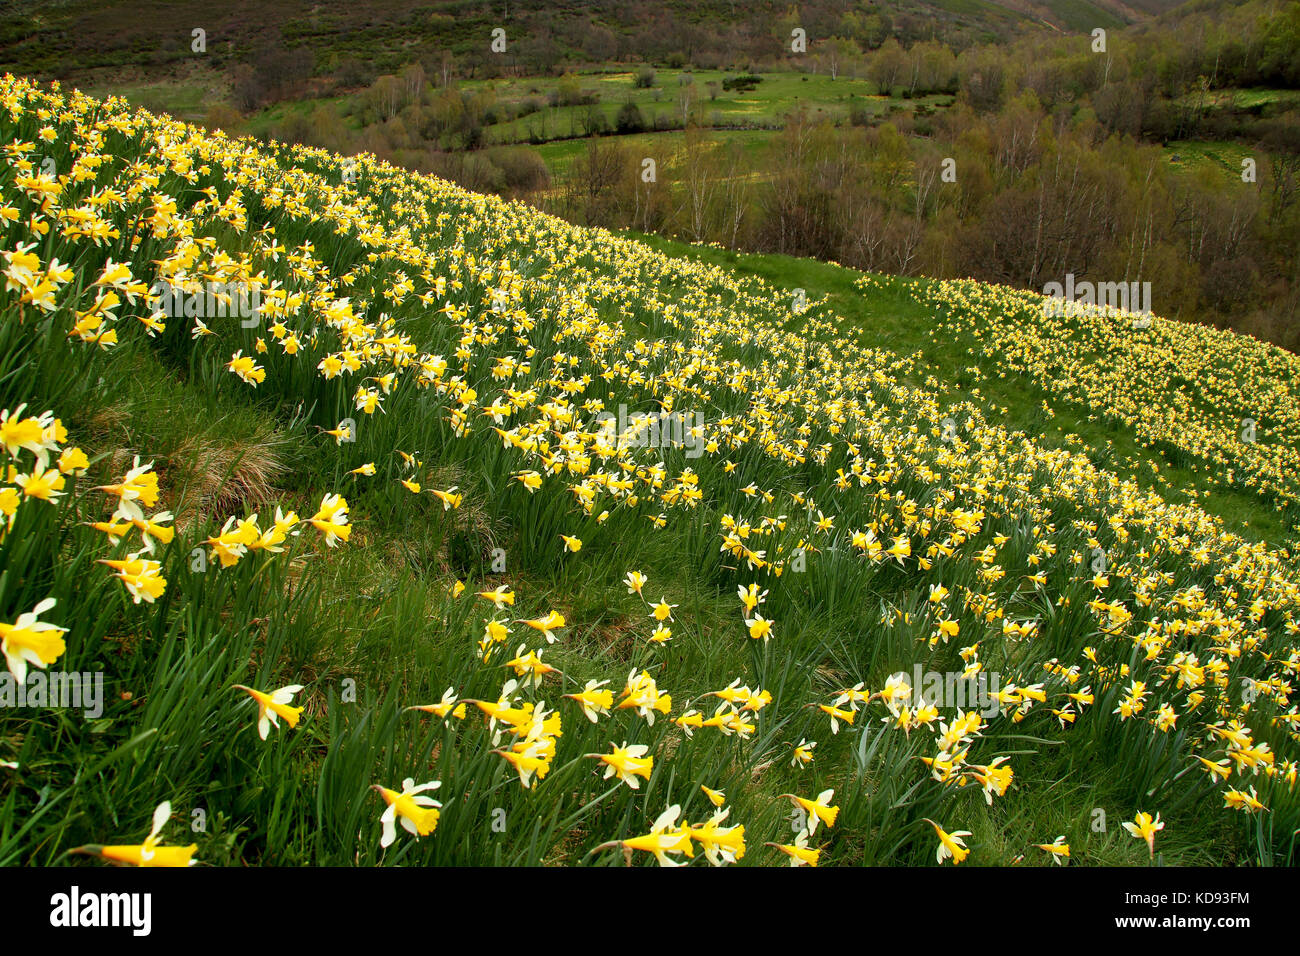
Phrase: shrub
x=522 y=169
x=629 y=119
x=742 y=83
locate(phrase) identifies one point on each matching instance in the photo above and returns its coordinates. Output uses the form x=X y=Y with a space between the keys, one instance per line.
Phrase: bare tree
x=736 y=191
x=701 y=179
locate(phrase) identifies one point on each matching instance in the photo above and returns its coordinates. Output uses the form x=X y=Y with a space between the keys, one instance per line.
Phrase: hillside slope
x=73 y=39
x=431 y=470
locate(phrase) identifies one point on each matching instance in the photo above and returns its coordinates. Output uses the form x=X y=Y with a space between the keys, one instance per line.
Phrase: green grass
x=185 y=100
x=1249 y=98
x=559 y=156
x=1219 y=156
x=1084 y=17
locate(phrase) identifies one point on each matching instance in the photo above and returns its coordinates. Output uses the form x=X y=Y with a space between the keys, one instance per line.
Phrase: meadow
x=410 y=546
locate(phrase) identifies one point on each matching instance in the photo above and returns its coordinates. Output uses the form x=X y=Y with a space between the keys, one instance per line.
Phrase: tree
x=599 y=43
x=594 y=121
x=701 y=179
x=886 y=66
x=982 y=76
x=446 y=68
x=836 y=53
x=593 y=177
x=736 y=192
x=687 y=100
x=629 y=119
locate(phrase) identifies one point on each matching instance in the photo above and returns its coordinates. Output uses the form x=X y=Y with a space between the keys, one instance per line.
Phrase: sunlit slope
x=440 y=365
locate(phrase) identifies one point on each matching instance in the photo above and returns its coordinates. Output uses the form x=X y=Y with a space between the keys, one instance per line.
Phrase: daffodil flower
x=245 y=367
x=142 y=577
x=1245 y=801
x=547 y=624
x=803 y=753
x=530 y=666
x=332 y=519
x=17 y=432
x=838 y=714
x=635 y=581
x=151 y=528
x=273 y=705
x=530 y=759
x=273 y=538
x=663 y=611
x=643 y=695
x=500 y=596
x=447 y=706
x=661 y=840
x=628 y=762
x=530 y=480
x=819 y=810
x=750 y=597
x=150 y=853
x=1058 y=848
x=449 y=498
x=798 y=852
x=1144 y=827
x=29 y=640
x=139 y=484
x=594 y=701
x=951 y=845
x=45 y=484
x=340 y=434
x=993 y=779
x=1217 y=770
x=690 y=721
x=231 y=545
x=418 y=814
x=721 y=844
x=759 y=627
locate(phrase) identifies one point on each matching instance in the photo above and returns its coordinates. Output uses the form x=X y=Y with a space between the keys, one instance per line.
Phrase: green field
x=766 y=106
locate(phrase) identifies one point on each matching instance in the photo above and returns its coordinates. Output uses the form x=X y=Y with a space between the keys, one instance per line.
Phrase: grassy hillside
x=1162 y=405
x=391 y=486
x=75 y=39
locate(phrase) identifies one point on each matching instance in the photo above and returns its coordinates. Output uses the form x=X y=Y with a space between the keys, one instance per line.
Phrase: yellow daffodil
x=1144 y=827
x=418 y=814
x=951 y=845
x=151 y=853
x=272 y=705
x=29 y=640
